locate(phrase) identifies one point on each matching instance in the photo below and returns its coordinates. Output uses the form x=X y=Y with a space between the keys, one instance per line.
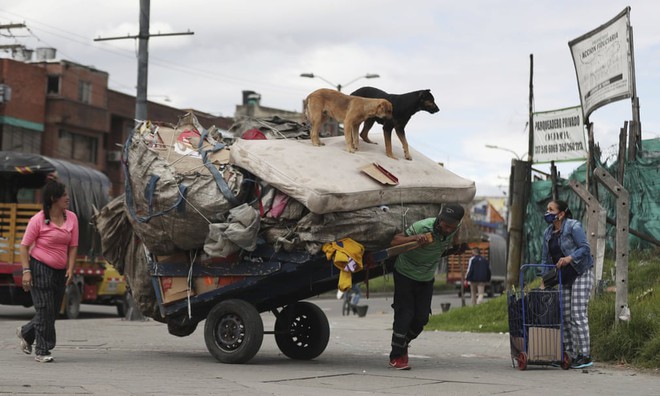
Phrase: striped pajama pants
x=48 y=286
x=576 y=316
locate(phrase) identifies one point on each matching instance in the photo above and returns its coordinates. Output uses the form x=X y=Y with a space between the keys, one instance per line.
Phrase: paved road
x=100 y=354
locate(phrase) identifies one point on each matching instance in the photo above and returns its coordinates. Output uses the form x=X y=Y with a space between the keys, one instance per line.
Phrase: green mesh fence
x=641 y=179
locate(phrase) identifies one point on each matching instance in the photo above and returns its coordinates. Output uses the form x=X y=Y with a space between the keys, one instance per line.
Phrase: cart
x=242 y=288
x=536 y=326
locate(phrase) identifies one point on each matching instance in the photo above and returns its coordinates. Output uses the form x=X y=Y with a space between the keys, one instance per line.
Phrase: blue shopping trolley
x=536 y=327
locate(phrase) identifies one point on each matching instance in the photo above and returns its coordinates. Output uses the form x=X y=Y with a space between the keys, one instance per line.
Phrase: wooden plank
x=396 y=250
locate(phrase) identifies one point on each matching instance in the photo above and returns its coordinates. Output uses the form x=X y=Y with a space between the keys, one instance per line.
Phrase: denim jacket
x=573 y=242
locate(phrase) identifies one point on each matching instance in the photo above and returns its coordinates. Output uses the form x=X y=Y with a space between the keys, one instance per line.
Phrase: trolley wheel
x=302 y=331
x=73 y=298
x=522 y=361
x=233 y=331
x=566 y=361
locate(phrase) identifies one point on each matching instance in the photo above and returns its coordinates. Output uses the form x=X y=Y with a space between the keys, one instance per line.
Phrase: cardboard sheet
x=544 y=344
x=329 y=179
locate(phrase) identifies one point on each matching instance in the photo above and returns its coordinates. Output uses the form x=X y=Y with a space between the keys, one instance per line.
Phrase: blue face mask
x=550 y=217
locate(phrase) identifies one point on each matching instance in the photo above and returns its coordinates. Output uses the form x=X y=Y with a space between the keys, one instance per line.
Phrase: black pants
x=48 y=285
x=412 y=307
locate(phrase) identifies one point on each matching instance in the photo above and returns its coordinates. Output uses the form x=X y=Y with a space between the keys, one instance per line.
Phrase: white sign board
x=559 y=135
x=602 y=60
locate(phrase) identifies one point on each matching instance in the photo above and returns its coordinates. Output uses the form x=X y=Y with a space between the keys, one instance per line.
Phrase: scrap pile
x=194 y=191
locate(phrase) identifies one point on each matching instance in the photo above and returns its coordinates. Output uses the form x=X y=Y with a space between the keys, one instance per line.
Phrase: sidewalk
x=104 y=355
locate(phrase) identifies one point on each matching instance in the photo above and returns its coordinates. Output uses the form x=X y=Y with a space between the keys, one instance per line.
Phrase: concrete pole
x=622 y=310
x=143 y=62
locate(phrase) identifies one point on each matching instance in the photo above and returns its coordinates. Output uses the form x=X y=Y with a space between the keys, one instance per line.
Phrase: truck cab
x=493 y=247
x=21 y=178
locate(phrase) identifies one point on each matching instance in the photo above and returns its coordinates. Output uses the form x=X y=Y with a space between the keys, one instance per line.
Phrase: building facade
x=64 y=110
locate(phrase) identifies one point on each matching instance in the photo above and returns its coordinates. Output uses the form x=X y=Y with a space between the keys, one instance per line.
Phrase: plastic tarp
x=328 y=179
x=88 y=188
x=175 y=175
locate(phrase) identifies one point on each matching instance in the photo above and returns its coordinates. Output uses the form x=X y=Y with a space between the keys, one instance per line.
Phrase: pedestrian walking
x=48 y=252
x=478 y=274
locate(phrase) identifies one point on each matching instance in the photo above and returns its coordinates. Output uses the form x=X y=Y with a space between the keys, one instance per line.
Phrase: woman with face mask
x=565 y=245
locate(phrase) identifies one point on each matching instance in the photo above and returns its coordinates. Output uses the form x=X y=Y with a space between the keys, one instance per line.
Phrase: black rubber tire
x=233 y=331
x=73 y=299
x=302 y=331
x=123 y=305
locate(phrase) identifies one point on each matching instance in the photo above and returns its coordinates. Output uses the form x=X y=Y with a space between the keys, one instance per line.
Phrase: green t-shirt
x=421 y=264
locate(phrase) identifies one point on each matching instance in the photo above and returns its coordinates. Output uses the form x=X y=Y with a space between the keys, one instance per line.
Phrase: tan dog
x=351 y=110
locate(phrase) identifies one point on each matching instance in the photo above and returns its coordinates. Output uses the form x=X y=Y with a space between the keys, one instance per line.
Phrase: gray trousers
x=48 y=286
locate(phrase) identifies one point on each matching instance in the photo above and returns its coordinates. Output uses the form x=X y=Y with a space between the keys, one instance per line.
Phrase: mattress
x=329 y=179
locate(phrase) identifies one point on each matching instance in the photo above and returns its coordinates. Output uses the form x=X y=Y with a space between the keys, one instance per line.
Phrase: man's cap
x=451 y=213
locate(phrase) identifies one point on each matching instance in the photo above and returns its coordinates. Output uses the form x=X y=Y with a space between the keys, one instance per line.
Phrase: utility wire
x=156 y=61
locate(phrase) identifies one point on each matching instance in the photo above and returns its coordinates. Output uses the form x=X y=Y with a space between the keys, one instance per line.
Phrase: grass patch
x=489 y=317
x=385 y=284
x=636 y=342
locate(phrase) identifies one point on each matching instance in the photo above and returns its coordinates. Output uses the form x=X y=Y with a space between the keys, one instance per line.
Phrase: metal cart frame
x=536 y=327
x=271 y=281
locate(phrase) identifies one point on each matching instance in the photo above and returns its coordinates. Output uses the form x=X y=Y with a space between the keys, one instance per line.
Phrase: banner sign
x=559 y=135
x=602 y=60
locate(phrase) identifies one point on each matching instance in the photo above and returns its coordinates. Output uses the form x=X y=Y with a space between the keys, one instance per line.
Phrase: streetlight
x=339 y=86
x=506 y=149
x=166 y=98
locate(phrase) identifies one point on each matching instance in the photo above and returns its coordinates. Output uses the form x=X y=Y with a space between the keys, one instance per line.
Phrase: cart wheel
x=302 y=331
x=566 y=361
x=522 y=361
x=72 y=307
x=181 y=326
x=233 y=331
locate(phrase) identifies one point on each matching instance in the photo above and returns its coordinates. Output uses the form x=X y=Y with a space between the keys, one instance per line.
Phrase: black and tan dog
x=404 y=106
x=351 y=110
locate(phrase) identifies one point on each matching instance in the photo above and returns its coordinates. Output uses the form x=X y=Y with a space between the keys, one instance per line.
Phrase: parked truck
x=21 y=178
x=493 y=247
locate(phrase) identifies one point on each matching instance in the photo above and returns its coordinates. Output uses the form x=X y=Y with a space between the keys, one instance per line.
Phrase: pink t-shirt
x=51 y=243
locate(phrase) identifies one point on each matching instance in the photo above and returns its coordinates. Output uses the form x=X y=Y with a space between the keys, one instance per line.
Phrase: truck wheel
x=123 y=305
x=73 y=297
x=302 y=331
x=233 y=331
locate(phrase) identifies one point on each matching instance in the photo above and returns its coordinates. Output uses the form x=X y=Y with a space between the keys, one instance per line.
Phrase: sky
x=474 y=56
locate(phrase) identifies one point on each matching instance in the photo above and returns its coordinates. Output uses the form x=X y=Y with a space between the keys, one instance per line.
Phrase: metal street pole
x=143 y=62
x=143 y=57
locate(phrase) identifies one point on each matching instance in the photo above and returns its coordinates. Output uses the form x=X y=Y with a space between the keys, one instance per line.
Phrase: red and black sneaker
x=400 y=363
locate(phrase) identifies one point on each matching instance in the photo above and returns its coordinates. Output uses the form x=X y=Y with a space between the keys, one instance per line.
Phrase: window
x=77 y=147
x=53 y=85
x=85 y=92
x=20 y=139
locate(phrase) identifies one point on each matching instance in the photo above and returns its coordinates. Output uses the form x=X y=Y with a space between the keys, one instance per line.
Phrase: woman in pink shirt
x=48 y=254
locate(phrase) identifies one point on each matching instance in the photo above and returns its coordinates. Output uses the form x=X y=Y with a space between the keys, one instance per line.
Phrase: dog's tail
x=306 y=109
